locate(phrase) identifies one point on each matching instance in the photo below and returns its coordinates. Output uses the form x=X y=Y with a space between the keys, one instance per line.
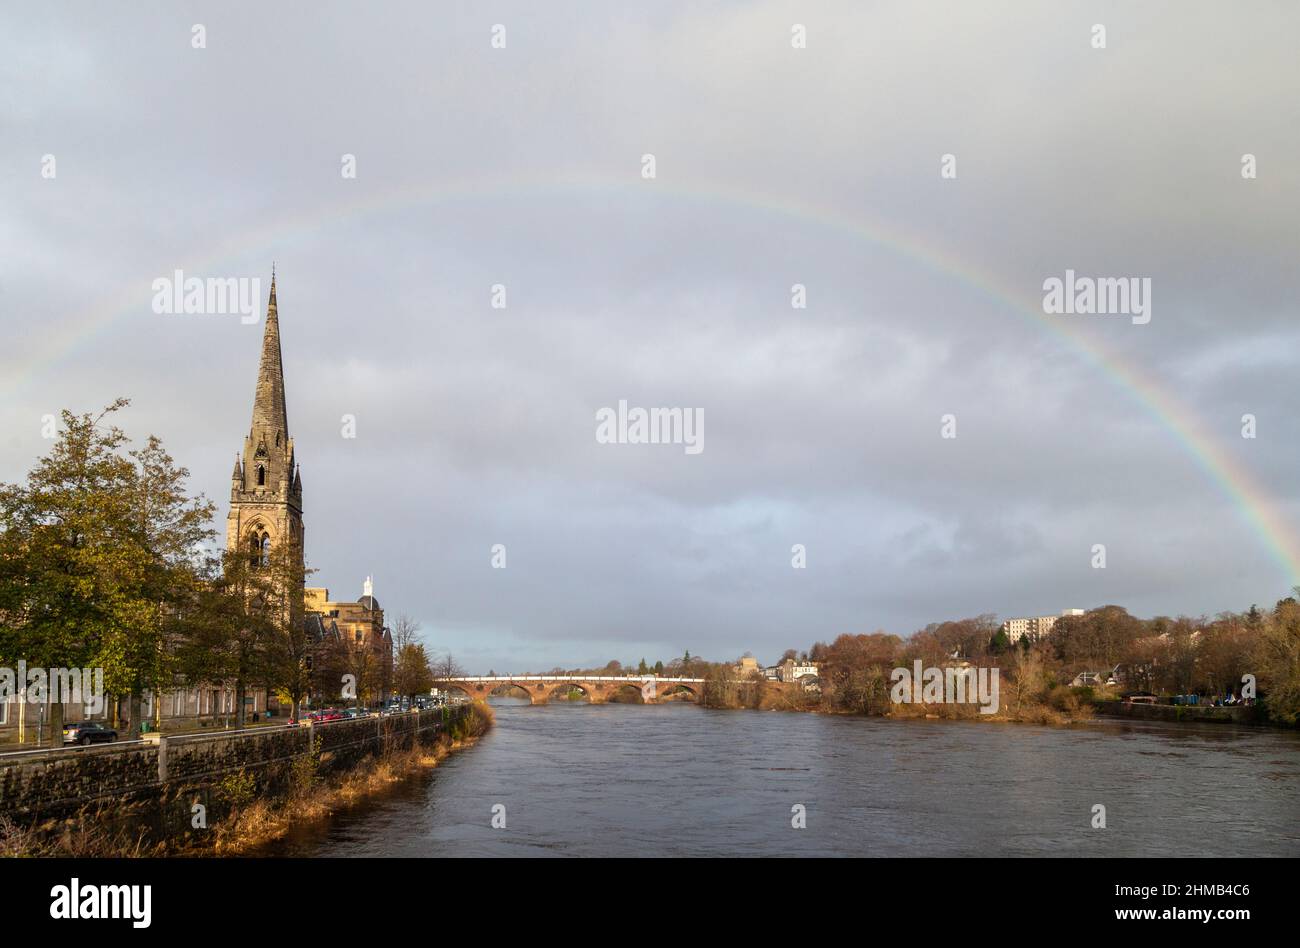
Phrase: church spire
x=269 y=413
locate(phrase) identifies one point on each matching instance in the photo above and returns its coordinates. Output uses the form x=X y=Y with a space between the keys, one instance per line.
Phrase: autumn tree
x=98 y=561
x=1276 y=655
x=290 y=650
x=412 y=670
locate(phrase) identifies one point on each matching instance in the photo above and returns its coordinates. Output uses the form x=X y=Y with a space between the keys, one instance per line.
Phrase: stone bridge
x=597 y=688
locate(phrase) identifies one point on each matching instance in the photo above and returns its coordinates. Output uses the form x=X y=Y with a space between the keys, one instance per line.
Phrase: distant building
x=359 y=625
x=1035 y=627
x=747 y=666
x=1092 y=679
x=791 y=670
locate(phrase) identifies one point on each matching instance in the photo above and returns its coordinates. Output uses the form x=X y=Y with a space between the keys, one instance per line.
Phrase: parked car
x=325 y=714
x=86 y=733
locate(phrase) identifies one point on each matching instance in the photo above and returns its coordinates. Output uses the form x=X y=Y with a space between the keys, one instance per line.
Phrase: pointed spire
x=239 y=471
x=269 y=413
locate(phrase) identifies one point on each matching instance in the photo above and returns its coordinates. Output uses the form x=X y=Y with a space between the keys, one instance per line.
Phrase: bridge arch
x=626 y=692
x=511 y=689
x=558 y=689
x=677 y=689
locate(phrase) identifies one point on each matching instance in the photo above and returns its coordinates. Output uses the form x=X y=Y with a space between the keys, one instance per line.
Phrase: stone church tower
x=266 y=487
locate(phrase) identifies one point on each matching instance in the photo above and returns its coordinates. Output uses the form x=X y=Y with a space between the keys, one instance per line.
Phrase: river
x=679 y=780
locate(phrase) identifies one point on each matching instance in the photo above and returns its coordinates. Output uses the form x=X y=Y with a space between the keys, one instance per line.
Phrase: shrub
x=238 y=789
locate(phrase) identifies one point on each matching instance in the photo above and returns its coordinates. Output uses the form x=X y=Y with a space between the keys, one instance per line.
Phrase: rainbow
x=1259 y=512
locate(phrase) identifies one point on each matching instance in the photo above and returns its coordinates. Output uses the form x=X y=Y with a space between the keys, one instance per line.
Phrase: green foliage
x=1000 y=643
x=237 y=789
x=98 y=561
x=412 y=671
x=304 y=772
x=1276 y=655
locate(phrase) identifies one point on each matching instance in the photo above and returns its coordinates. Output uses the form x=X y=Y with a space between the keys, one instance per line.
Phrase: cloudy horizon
x=774 y=166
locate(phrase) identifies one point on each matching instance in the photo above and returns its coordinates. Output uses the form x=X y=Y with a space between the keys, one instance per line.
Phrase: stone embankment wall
x=58 y=782
x=1168 y=712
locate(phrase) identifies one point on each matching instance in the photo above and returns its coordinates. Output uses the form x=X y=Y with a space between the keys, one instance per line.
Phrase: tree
x=406 y=631
x=1276 y=654
x=171 y=529
x=412 y=671
x=231 y=635
x=412 y=674
x=447 y=667
x=1000 y=642
x=290 y=651
x=720 y=689
x=97 y=559
x=1029 y=678
x=852 y=666
x=58 y=535
x=1096 y=638
x=864 y=690
x=1223 y=654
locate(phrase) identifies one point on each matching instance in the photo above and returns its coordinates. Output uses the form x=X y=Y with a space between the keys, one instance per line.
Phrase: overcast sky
x=774 y=166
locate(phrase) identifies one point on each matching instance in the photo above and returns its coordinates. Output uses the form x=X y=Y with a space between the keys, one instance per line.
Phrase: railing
x=564 y=678
x=68 y=748
x=191 y=736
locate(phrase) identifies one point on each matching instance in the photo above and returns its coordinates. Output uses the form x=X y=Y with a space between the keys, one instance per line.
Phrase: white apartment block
x=1035 y=627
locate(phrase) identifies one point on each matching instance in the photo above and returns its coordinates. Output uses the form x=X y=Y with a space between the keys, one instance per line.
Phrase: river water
x=679 y=780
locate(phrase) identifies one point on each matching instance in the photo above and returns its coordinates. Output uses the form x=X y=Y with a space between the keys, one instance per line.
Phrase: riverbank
x=266 y=820
x=1060 y=706
x=250 y=790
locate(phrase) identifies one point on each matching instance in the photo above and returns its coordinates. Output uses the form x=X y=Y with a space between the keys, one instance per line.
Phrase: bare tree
x=445 y=666
x=1029 y=675
x=406 y=631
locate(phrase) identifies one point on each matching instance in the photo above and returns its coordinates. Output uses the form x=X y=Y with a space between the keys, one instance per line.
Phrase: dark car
x=88 y=732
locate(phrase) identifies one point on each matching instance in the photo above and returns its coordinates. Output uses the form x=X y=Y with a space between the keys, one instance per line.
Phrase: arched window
x=259 y=549
x=261 y=476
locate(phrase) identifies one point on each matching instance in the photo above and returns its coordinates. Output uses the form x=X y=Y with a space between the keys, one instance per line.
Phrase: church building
x=266 y=511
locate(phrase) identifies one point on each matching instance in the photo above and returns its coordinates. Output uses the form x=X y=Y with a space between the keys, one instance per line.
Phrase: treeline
x=1162 y=655
x=105 y=563
x=685 y=666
